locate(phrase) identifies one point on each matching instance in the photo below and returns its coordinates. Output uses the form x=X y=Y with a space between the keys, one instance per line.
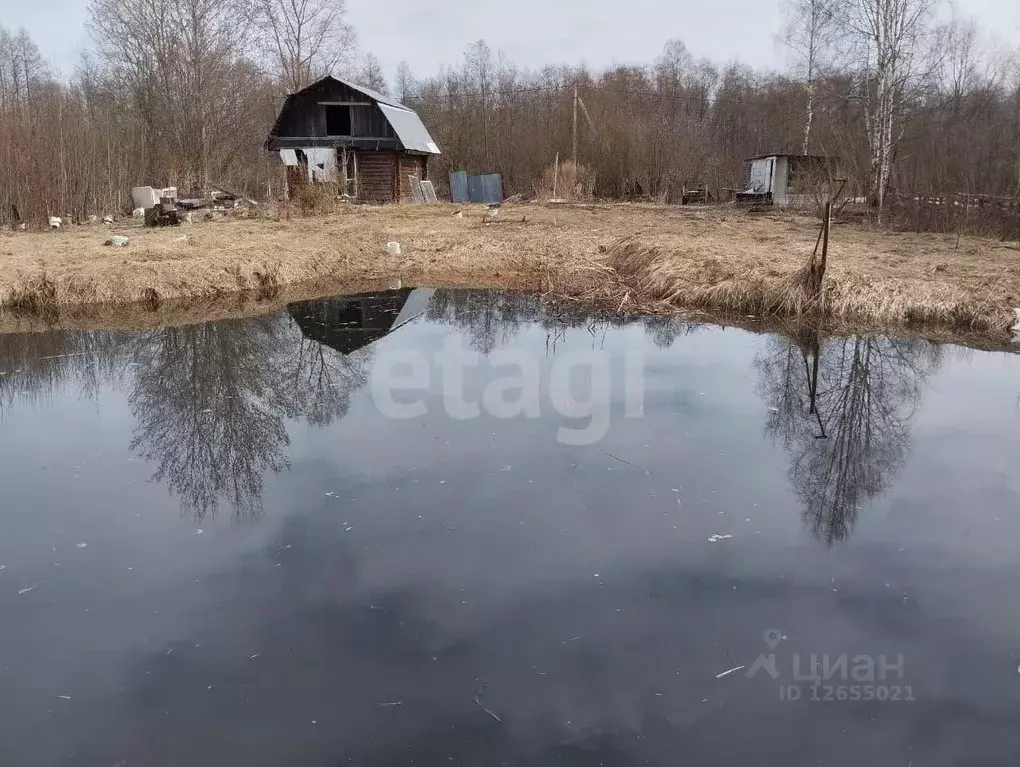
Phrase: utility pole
x=575 y=126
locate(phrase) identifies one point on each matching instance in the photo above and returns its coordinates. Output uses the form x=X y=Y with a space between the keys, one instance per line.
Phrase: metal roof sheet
x=789 y=154
x=409 y=129
x=374 y=95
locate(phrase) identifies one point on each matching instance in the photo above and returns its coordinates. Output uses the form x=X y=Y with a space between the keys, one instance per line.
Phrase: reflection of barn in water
x=353 y=322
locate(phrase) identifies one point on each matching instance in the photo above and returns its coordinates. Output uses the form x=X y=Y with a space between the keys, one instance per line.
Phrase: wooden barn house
x=367 y=143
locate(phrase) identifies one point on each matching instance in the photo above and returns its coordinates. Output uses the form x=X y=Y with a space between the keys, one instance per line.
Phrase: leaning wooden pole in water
x=812 y=276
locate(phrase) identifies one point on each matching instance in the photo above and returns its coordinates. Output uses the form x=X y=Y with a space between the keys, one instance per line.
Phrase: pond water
x=455 y=528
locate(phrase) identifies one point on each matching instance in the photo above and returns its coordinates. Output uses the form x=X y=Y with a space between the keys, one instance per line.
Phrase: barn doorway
x=348 y=159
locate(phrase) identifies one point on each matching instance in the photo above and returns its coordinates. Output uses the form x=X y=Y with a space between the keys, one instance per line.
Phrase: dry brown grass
x=35 y=296
x=631 y=257
x=851 y=291
x=569 y=181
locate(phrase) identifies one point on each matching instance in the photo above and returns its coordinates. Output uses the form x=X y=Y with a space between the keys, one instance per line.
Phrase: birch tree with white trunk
x=890 y=34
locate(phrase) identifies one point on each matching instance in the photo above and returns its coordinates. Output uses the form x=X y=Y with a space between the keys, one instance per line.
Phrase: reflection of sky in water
x=348 y=561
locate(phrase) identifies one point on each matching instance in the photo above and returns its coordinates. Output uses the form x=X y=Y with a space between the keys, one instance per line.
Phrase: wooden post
x=556 y=177
x=343 y=173
x=825 y=238
x=575 y=129
x=966 y=217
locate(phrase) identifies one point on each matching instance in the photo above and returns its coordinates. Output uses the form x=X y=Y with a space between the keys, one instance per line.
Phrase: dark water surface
x=218 y=549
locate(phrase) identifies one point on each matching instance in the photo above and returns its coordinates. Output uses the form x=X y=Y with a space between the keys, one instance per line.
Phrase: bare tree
x=23 y=77
x=178 y=58
x=889 y=34
x=404 y=84
x=214 y=33
x=22 y=68
x=810 y=32
x=478 y=76
x=306 y=39
x=370 y=74
x=960 y=59
x=175 y=92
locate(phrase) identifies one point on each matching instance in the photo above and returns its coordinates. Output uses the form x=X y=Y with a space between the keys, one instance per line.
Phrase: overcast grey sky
x=430 y=33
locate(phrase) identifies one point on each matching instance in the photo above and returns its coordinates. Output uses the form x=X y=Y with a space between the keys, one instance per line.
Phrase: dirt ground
x=645 y=257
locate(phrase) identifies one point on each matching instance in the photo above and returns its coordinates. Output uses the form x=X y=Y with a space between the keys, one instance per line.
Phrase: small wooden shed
x=789 y=179
x=337 y=132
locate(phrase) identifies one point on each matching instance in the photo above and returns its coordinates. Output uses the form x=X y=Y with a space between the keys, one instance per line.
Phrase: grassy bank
x=624 y=257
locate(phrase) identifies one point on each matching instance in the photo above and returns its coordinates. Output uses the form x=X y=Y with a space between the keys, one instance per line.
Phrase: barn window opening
x=338 y=120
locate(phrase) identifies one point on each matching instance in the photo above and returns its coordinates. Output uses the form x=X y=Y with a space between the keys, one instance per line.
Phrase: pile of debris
x=157 y=206
x=217 y=200
x=163 y=207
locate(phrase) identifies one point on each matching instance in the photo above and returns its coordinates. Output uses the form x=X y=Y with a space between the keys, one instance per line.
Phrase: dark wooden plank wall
x=375 y=175
x=305 y=115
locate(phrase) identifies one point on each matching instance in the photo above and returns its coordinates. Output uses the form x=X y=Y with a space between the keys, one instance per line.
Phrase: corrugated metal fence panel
x=486 y=189
x=459 y=186
x=475 y=188
x=492 y=188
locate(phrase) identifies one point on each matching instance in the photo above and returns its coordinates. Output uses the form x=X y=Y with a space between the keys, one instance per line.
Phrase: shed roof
x=790 y=154
x=409 y=129
x=374 y=95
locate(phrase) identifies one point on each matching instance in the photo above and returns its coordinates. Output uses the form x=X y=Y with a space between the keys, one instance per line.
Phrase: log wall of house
x=411 y=165
x=376 y=176
x=383 y=176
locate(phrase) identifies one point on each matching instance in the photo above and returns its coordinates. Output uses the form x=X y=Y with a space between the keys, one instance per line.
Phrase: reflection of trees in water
x=664 y=331
x=492 y=319
x=210 y=403
x=209 y=409
x=842 y=411
x=322 y=380
x=35 y=365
